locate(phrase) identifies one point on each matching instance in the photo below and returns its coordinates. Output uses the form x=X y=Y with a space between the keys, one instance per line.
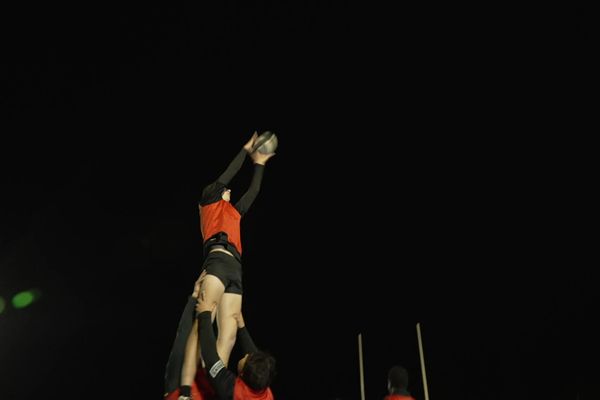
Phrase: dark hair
x=259 y=370
x=398 y=377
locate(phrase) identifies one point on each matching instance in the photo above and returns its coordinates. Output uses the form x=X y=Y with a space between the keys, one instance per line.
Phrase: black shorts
x=227 y=268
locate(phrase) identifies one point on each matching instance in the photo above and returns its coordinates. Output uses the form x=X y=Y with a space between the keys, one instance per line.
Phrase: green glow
x=25 y=298
x=2 y=304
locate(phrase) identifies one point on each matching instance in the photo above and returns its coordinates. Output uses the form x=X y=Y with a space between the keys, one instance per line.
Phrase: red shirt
x=221 y=216
x=398 y=397
x=242 y=392
x=204 y=386
x=201 y=388
x=196 y=395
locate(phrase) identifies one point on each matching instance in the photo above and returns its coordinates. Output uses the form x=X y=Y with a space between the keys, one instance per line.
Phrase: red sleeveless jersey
x=201 y=388
x=242 y=392
x=196 y=394
x=221 y=216
x=398 y=397
x=203 y=384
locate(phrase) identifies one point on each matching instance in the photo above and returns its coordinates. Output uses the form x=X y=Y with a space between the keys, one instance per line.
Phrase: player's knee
x=235 y=316
x=228 y=336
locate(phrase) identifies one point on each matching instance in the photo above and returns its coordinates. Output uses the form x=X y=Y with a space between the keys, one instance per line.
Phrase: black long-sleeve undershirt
x=247 y=199
x=213 y=192
x=233 y=168
x=244 y=340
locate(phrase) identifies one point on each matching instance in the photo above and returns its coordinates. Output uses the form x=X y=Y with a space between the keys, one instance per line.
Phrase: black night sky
x=396 y=196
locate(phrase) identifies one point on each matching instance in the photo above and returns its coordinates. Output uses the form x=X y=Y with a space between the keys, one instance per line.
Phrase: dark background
x=405 y=189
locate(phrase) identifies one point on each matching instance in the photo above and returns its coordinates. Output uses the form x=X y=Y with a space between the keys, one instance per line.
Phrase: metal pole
x=422 y=360
x=360 y=364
